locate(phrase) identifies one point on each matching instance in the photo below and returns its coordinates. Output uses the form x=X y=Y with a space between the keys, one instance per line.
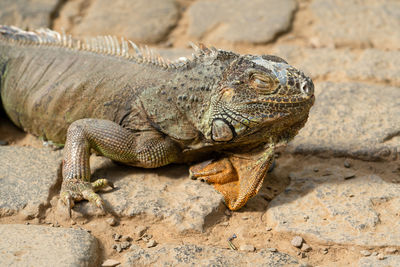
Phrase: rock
x=125 y=245
x=220 y=20
x=368 y=219
x=125 y=238
x=111 y=221
x=341 y=129
x=140 y=230
x=247 y=247
x=272 y=249
x=390 y=250
x=305 y=247
x=151 y=243
x=347 y=164
x=342 y=22
x=297 y=241
x=369 y=65
x=165 y=193
x=392 y=261
x=110 y=263
x=365 y=253
x=193 y=255
x=116 y=237
x=31 y=245
x=32 y=14
x=144 y=21
x=381 y=257
x=27 y=175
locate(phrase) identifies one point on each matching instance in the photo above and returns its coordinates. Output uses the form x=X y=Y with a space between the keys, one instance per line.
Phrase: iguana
x=133 y=107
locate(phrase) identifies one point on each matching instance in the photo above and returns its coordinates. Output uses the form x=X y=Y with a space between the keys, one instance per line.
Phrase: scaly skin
x=144 y=111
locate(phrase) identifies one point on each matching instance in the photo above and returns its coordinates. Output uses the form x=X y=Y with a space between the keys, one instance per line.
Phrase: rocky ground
x=333 y=198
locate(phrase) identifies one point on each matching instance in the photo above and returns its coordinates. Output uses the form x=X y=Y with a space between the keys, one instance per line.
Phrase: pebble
x=126 y=238
x=140 y=230
x=224 y=223
x=269 y=229
x=228 y=213
x=374 y=253
x=245 y=218
x=125 y=245
x=247 y=247
x=305 y=248
x=151 y=243
x=306 y=217
x=297 y=241
x=347 y=164
x=111 y=221
x=325 y=251
x=110 y=263
x=272 y=249
x=116 y=236
x=118 y=248
x=365 y=253
x=390 y=250
x=349 y=176
x=381 y=257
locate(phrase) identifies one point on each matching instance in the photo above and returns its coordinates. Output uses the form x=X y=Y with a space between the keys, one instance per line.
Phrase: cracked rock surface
x=31 y=245
x=359 y=211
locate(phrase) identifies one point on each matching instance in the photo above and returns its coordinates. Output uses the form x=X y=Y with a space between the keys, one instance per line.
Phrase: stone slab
x=388 y=261
x=26 y=178
x=367 y=23
x=22 y=13
x=369 y=65
x=31 y=245
x=353 y=120
x=166 y=193
x=193 y=255
x=361 y=211
x=256 y=21
x=144 y=21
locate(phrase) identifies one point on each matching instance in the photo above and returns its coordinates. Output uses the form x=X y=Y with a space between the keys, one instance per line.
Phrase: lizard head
x=259 y=98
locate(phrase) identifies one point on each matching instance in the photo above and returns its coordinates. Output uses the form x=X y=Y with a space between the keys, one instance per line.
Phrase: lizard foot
x=77 y=190
x=222 y=175
x=236 y=177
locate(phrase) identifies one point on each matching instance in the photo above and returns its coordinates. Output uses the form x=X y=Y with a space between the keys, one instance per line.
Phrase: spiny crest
x=106 y=45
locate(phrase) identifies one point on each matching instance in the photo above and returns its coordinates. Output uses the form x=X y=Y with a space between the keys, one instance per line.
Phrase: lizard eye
x=262 y=84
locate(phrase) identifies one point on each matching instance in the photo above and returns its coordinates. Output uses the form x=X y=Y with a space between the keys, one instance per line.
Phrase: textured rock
x=388 y=261
x=192 y=255
x=26 y=177
x=22 y=13
x=144 y=21
x=352 y=119
x=30 y=245
x=368 y=65
x=360 y=211
x=165 y=193
x=256 y=21
x=343 y=22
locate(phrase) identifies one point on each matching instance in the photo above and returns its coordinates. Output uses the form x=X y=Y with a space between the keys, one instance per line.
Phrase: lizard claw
x=76 y=190
x=66 y=198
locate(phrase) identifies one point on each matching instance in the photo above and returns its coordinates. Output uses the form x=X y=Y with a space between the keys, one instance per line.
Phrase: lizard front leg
x=144 y=149
x=237 y=177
